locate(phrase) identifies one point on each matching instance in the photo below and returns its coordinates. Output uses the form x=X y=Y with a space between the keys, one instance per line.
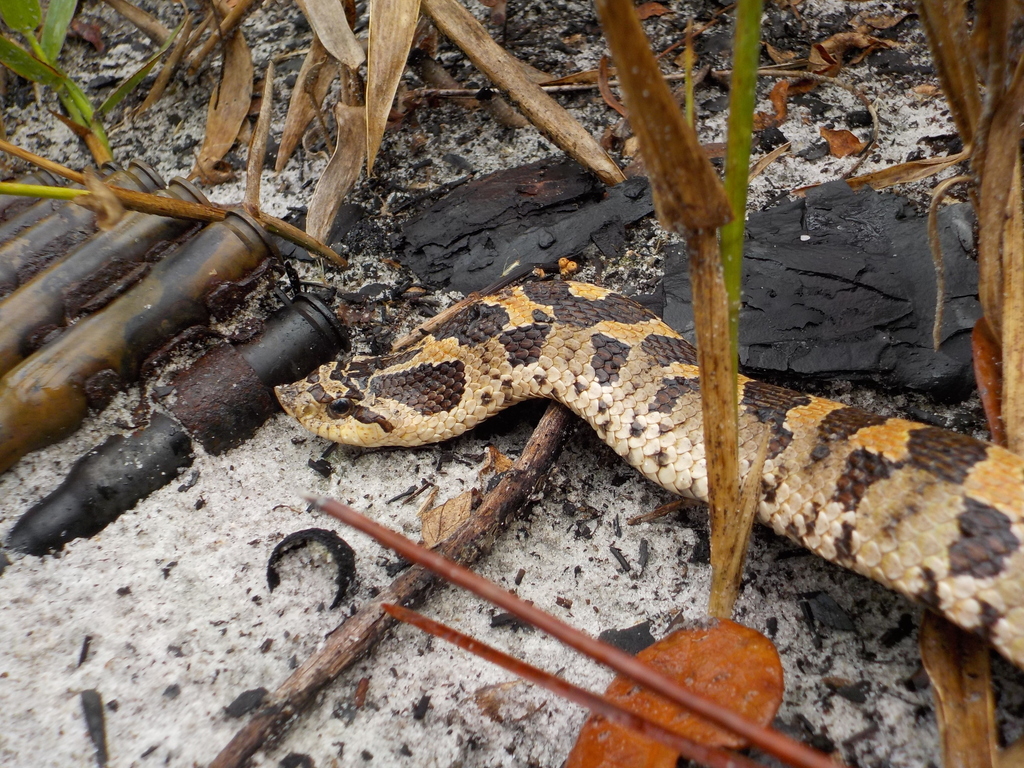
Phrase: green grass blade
x=132 y=82
x=21 y=15
x=23 y=63
x=55 y=27
x=746 y=50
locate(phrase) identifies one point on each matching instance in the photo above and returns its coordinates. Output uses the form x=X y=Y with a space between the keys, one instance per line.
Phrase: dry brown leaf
x=341 y=172
x=319 y=69
x=439 y=523
x=926 y=90
x=727 y=663
x=647 y=10
x=101 y=201
x=493 y=700
x=763 y=162
x=392 y=26
x=842 y=143
x=838 y=45
x=88 y=31
x=606 y=89
x=878 y=22
x=988 y=373
x=779 y=57
x=499 y=11
x=505 y=71
x=328 y=20
x=957 y=663
x=497 y=462
x=821 y=62
x=779 y=98
x=903 y=173
x=229 y=104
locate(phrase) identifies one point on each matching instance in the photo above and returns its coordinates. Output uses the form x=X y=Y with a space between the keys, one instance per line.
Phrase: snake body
x=929 y=513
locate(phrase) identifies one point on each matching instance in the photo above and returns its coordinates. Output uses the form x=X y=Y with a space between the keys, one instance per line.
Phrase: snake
x=932 y=514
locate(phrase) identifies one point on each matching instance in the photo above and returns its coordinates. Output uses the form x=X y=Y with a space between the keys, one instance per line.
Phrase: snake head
x=332 y=402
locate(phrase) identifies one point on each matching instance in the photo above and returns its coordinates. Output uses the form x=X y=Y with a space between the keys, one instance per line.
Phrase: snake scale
x=929 y=513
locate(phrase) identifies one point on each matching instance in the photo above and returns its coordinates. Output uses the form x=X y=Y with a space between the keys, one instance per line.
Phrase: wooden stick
x=362 y=631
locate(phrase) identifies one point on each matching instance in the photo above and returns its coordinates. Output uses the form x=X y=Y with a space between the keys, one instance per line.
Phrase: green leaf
x=21 y=62
x=55 y=28
x=132 y=82
x=21 y=15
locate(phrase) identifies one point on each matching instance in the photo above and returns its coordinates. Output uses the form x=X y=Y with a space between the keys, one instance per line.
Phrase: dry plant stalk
x=258 y=145
x=459 y=25
x=341 y=172
x=688 y=198
x=169 y=68
x=958 y=665
x=220 y=33
x=150 y=26
x=392 y=26
x=329 y=22
x=319 y=69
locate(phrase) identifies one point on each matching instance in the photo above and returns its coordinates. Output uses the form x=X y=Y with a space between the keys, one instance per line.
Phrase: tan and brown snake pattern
x=930 y=513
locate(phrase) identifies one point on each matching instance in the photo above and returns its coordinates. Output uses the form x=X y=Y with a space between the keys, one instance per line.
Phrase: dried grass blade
x=958 y=664
x=220 y=32
x=318 y=71
x=328 y=20
x=169 y=68
x=988 y=373
x=258 y=144
x=687 y=192
x=904 y=173
x=506 y=72
x=229 y=105
x=758 y=168
x=1013 y=318
x=995 y=172
x=606 y=89
x=946 y=27
x=935 y=244
x=392 y=26
x=341 y=172
x=150 y=26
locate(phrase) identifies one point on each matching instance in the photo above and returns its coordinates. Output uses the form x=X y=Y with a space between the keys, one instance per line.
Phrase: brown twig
x=362 y=631
x=786 y=749
x=599 y=705
x=258 y=145
x=227 y=24
x=150 y=26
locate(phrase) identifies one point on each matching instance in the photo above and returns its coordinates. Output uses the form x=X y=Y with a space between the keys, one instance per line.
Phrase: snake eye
x=339 y=408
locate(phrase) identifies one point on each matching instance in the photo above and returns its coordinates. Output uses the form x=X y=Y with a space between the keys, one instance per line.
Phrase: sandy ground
x=173 y=596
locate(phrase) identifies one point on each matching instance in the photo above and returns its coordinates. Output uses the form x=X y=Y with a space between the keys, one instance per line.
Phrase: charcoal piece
x=632 y=640
x=245 y=702
x=533 y=214
x=841 y=285
x=826 y=611
x=342 y=554
x=296 y=760
x=420 y=710
x=92 y=708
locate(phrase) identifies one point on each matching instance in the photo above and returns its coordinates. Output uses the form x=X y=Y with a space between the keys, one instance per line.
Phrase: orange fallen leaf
x=779 y=98
x=842 y=143
x=732 y=665
x=647 y=10
x=440 y=522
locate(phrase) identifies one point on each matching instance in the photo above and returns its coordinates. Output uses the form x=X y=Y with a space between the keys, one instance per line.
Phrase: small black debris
x=508 y=620
x=519 y=576
x=459 y=163
x=701 y=552
x=342 y=554
x=645 y=553
x=172 y=691
x=770 y=139
x=814 y=151
x=717 y=104
x=84 y=653
x=856 y=693
x=919 y=681
x=631 y=640
x=92 y=707
x=149 y=751
x=321 y=467
x=617 y=554
x=827 y=612
x=394 y=567
x=772 y=627
x=900 y=632
x=166 y=570
x=124 y=591
x=366 y=755
x=4 y=562
x=404 y=750
x=420 y=710
x=190 y=481
x=858 y=118
x=296 y=760
x=246 y=702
